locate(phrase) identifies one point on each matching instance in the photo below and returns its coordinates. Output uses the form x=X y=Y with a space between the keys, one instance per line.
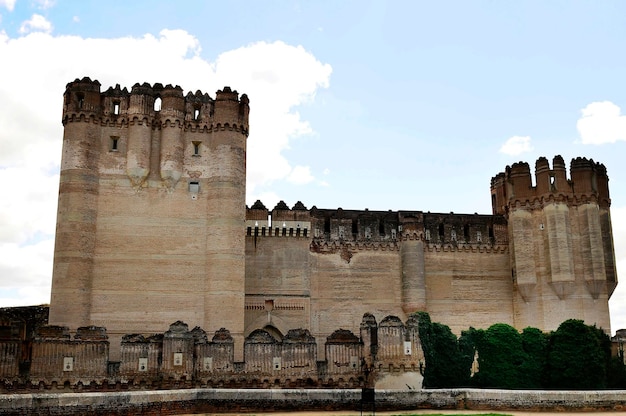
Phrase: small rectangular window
x=143 y=364
x=68 y=363
x=114 y=143
x=178 y=359
x=194 y=187
x=116 y=108
x=196 y=148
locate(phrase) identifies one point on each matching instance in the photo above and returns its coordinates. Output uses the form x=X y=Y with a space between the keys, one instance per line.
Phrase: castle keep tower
x=151 y=210
x=560 y=241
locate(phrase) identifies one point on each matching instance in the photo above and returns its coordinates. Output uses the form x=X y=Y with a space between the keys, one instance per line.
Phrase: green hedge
x=575 y=356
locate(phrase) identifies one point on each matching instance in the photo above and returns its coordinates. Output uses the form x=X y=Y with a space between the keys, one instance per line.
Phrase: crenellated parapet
x=514 y=187
x=155 y=105
x=56 y=358
x=280 y=222
x=354 y=230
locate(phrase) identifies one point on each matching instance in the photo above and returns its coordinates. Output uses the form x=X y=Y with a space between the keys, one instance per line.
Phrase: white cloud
x=277 y=77
x=516 y=145
x=300 y=175
x=45 y=4
x=8 y=4
x=75 y=19
x=37 y=23
x=601 y=123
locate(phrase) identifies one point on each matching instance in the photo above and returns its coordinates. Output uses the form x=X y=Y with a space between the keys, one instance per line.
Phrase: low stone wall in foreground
x=170 y=402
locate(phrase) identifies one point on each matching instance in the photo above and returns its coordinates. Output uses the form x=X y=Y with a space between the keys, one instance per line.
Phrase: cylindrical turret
x=140 y=115
x=583 y=177
x=559 y=175
x=521 y=185
x=226 y=210
x=542 y=176
x=77 y=209
x=498 y=194
x=172 y=145
x=602 y=185
x=412 y=261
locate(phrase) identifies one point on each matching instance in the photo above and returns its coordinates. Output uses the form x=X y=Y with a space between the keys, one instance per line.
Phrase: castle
x=153 y=229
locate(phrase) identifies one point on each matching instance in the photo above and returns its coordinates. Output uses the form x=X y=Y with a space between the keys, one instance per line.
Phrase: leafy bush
x=578 y=357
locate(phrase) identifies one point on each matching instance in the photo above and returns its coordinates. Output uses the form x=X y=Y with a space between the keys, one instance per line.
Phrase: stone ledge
x=250 y=400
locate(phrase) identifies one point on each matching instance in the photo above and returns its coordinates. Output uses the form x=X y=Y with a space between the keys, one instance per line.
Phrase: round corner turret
x=230 y=110
x=81 y=97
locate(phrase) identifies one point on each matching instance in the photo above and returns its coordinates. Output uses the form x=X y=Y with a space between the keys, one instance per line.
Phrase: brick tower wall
x=151 y=204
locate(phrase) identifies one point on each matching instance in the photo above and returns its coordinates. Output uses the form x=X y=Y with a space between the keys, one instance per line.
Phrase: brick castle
x=153 y=229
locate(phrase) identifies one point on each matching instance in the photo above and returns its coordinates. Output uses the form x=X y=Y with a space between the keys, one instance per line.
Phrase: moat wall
x=242 y=400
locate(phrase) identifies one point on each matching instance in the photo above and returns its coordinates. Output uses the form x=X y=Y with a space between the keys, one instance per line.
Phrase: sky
x=385 y=105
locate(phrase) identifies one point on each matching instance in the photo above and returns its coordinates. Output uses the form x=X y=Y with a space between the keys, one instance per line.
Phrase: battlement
x=374 y=226
x=588 y=181
x=154 y=104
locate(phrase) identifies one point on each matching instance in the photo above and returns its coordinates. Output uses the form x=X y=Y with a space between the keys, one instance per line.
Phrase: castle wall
x=343 y=291
x=149 y=261
x=468 y=286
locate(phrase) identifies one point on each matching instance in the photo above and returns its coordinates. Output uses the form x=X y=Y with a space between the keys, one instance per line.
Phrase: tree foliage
x=535 y=344
x=575 y=356
x=444 y=361
x=578 y=356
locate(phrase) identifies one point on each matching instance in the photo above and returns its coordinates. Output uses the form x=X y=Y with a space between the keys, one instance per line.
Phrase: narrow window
x=116 y=108
x=441 y=231
x=427 y=235
x=81 y=99
x=196 y=113
x=552 y=182
x=381 y=228
x=196 y=148
x=157 y=104
x=466 y=232
x=194 y=187
x=491 y=233
x=479 y=237
x=114 y=143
